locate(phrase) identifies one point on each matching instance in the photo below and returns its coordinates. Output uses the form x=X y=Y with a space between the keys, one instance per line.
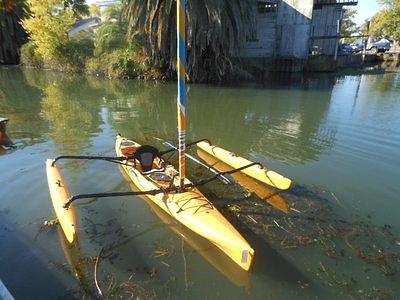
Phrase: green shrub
x=119 y=63
x=30 y=57
x=72 y=56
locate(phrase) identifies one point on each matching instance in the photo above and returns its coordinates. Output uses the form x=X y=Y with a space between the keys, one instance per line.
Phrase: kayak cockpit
x=146 y=158
x=149 y=159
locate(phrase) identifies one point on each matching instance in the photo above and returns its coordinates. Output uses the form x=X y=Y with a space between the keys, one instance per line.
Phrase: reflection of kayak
x=211 y=253
x=260 y=189
x=262 y=174
x=191 y=208
x=75 y=258
x=59 y=195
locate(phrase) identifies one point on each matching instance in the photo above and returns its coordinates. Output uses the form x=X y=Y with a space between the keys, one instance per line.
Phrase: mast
x=181 y=101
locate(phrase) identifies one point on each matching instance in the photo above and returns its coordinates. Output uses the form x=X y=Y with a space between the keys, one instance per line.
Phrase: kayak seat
x=128 y=151
x=146 y=155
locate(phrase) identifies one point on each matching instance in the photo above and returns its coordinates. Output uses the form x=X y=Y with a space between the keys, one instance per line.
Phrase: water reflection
x=279 y=123
x=339 y=134
x=20 y=102
x=71 y=108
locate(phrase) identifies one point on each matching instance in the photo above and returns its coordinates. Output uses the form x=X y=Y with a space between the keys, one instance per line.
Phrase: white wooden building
x=293 y=29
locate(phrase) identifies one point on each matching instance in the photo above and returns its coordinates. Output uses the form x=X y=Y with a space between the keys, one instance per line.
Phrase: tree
x=12 y=34
x=389 y=3
x=94 y=10
x=215 y=31
x=48 y=26
x=111 y=34
x=349 y=26
x=115 y=56
x=79 y=7
x=387 y=21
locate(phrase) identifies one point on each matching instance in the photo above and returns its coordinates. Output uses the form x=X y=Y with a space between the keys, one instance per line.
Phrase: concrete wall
x=288 y=34
x=294 y=28
x=265 y=43
x=283 y=32
x=324 y=24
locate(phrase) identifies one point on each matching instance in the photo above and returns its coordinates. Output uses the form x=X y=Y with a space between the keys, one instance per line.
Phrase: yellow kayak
x=212 y=254
x=191 y=208
x=257 y=172
x=59 y=195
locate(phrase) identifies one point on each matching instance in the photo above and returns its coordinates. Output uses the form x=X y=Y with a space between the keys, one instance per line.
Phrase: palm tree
x=12 y=34
x=215 y=30
x=79 y=7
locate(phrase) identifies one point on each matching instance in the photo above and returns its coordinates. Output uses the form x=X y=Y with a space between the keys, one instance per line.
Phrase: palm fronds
x=215 y=31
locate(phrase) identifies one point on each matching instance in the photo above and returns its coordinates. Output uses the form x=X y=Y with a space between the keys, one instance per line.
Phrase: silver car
x=382 y=45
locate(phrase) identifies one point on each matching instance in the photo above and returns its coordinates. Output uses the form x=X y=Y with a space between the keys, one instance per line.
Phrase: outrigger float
x=167 y=187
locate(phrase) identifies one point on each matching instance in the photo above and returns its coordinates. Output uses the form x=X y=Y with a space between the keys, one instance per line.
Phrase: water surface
x=337 y=137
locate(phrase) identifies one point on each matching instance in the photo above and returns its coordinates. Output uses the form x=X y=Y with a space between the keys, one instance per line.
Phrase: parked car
x=357 y=47
x=344 y=49
x=372 y=46
x=382 y=45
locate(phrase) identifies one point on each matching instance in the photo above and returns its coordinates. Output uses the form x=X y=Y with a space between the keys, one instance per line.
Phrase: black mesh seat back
x=145 y=155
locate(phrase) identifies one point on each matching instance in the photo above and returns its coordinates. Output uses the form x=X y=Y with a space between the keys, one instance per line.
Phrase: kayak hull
x=191 y=208
x=262 y=191
x=59 y=196
x=262 y=174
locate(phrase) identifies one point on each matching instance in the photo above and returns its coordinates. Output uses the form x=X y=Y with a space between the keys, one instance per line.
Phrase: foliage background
x=12 y=34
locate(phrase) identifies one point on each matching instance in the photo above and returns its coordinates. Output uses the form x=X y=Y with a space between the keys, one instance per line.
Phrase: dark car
x=357 y=46
x=344 y=49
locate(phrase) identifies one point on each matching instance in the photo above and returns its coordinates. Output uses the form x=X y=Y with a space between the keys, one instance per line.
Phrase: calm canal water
x=337 y=137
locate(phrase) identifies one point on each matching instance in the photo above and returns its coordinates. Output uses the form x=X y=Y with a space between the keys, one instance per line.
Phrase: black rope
x=216 y=176
x=198 y=141
x=119 y=158
x=106 y=158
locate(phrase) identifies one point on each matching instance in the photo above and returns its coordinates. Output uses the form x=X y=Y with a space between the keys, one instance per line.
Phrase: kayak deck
x=191 y=207
x=262 y=174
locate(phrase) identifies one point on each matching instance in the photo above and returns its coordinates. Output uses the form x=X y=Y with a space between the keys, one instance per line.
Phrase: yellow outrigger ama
x=190 y=207
x=59 y=195
x=256 y=171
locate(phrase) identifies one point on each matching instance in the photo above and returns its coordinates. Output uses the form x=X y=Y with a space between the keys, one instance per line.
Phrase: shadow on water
x=23 y=264
x=332 y=236
x=270 y=263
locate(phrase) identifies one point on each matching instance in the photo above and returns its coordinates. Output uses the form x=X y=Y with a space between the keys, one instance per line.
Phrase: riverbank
x=130 y=64
x=380 y=61
x=263 y=68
